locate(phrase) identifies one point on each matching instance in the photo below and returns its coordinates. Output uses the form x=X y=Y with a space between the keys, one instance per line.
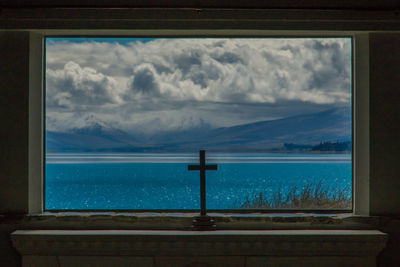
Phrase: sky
x=171 y=84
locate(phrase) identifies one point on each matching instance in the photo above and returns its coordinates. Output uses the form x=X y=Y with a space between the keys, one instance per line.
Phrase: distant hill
x=311 y=129
x=330 y=125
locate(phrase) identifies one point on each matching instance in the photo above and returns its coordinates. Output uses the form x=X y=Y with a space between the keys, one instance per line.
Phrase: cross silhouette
x=203 y=222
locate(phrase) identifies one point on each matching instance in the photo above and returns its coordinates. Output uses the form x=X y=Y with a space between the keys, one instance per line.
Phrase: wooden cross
x=203 y=222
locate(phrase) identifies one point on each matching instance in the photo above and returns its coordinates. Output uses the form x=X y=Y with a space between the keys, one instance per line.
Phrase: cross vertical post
x=203 y=222
x=202 y=183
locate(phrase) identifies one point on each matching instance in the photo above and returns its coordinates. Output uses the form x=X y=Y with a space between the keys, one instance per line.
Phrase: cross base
x=203 y=223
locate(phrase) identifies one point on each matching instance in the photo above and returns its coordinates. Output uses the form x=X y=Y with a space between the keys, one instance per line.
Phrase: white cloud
x=75 y=87
x=197 y=76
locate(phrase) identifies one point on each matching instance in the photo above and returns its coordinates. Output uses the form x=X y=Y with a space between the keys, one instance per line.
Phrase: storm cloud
x=177 y=83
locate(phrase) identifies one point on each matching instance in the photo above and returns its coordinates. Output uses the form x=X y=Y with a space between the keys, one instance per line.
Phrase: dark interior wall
x=384 y=123
x=337 y=4
x=14 y=99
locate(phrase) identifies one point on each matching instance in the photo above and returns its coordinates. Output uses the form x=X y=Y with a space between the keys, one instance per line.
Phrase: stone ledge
x=192 y=243
x=183 y=221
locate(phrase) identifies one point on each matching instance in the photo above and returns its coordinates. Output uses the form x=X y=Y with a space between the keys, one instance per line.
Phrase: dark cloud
x=291 y=48
x=187 y=60
x=199 y=78
x=162 y=69
x=144 y=82
x=332 y=68
x=322 y=78
x=228 y=58
x=202 y=75
x=282 y=80
x=270 y=58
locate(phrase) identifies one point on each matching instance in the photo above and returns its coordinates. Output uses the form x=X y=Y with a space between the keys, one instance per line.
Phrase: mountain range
x=261 y=136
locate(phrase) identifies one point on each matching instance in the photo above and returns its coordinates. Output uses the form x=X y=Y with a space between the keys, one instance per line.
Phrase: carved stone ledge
x=207 y=243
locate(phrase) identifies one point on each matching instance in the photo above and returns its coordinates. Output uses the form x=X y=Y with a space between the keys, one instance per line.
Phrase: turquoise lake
x=162 y=181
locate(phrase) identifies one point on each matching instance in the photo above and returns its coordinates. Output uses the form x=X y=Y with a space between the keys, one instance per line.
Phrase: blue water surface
x=148 y=182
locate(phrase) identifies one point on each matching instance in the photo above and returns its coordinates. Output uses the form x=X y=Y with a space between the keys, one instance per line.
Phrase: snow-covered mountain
x=97 y=136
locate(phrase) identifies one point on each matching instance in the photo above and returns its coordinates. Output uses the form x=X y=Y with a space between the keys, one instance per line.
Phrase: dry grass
x=311 y=196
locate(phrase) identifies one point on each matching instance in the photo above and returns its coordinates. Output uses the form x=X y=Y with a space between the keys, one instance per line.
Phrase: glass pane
x=280 y=181
x=124 y=181
x=125 y=116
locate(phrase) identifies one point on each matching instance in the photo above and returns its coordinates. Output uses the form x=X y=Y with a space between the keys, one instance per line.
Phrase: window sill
x=183 y=221
x=160 y=248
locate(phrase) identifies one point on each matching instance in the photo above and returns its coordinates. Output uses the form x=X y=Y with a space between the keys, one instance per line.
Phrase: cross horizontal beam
x=210 y=167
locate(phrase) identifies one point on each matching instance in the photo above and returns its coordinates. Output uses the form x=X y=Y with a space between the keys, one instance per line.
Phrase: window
x=124 y=117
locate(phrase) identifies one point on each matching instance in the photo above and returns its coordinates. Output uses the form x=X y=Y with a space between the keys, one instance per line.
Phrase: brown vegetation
x=311 y=196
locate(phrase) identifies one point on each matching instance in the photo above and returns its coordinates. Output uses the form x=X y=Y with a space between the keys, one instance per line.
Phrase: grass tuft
x=310 y=196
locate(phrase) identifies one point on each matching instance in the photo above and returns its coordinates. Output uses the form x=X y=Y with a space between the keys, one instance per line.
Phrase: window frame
x=360 y=135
